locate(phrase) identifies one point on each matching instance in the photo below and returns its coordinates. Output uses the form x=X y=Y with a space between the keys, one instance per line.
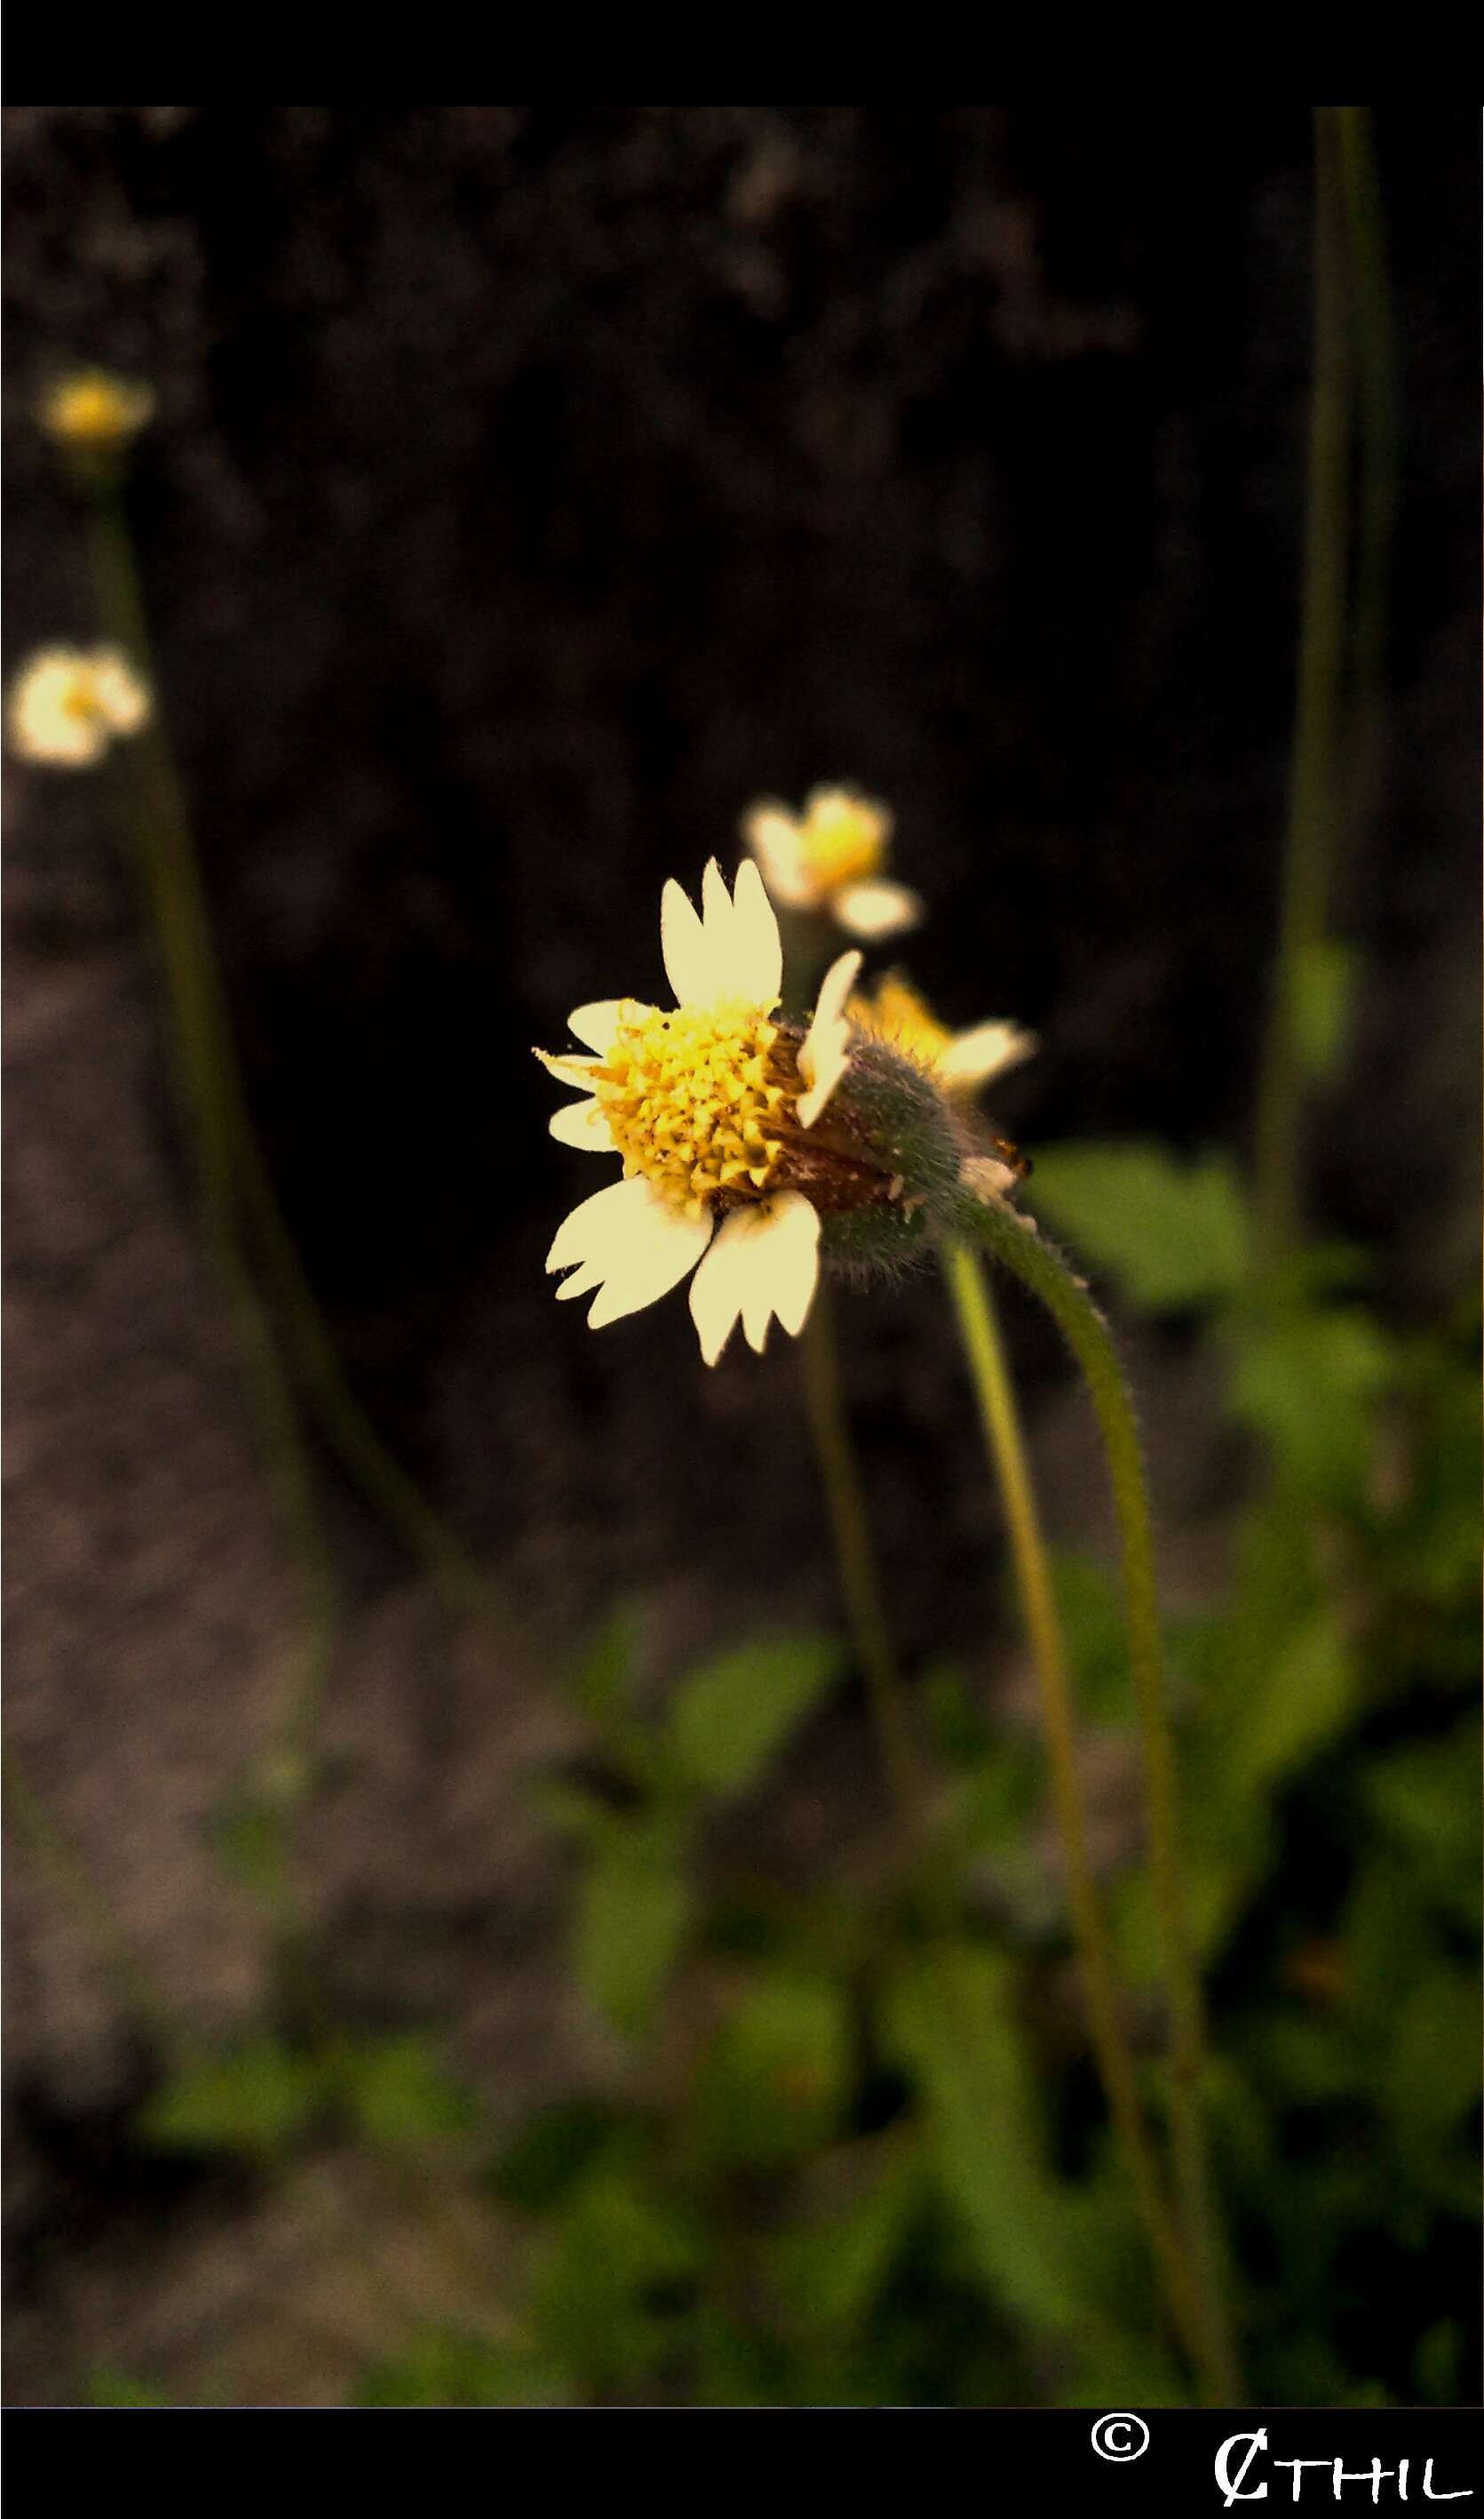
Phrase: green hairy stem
x=1041 y=1269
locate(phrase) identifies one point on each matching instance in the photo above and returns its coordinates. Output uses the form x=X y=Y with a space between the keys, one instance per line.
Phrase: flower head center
x=844 y=840
x=93 y=410
x=78 y=699
x=89 y=409
x=699 y=1100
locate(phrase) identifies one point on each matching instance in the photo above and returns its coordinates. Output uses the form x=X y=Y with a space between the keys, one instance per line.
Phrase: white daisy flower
x=715 y=1108
x=826 y=861
x=66 y=705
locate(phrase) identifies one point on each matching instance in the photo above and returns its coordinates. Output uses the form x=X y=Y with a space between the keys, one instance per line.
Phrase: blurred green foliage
x=1175 y=1235
x=855 y=2155
x=265 y=2096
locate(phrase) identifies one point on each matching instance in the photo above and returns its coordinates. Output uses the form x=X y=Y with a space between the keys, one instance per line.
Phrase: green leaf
x=996 y=1805
x=556 y=2147
x=445 y=2368
x=633 y=1913
x=613 y=2282
x=1174 y=1234
x=574 y=1809
x=1431 y=2067
x=1309 y=1385
x=1296 y=1705
x=1388 y=1934
x=728 y=1720
x=830 y=2274
x=1426 y=1798
x=1323 y=995
x=1232 y=1849
x=958 y=1725
x=106 y=2386
x=952 y=2022
x=600 y=1683
x=1090 y=1600
x=1434 y=1531
x=772 y=2082
x=256 y=2099
x=400 y=2096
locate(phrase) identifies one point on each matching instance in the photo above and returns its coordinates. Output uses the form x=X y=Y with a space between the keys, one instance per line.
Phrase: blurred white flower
x=68 y=705
x=828 y=861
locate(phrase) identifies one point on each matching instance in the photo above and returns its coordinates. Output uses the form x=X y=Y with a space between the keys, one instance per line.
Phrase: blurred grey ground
x=529 y=491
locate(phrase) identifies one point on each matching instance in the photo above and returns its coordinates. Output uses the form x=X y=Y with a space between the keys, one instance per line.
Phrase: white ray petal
x=763 y=1262
x=655 y=1257
x=717 y=920
x=716 y=1289
x=776 y=841
x=876 y=909
x=972 y=1057
x=572 y=1070
x=598 y=1023
x=583 y=1124
x=782 y=1268
x=682 y=941
x=825 y=1051
x=631 y=1243
x=758 y=945
x=581 y=1282
x=120 y=696
x=594 y=1226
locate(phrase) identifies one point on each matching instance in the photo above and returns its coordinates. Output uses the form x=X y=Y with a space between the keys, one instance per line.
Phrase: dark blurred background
x=531 y=488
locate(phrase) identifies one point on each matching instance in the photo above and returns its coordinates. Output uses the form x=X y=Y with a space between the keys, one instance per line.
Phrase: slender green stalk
x=155 y=818
x=1314 y=793
x=1041 y=1267
x=975 y=1305
x=237 y=1175
x=859 y=1582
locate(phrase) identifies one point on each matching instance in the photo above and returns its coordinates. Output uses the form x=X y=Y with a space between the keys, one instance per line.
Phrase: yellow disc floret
x=844 y=837
x=898 y=1014
x=699 y=1100
x=93 y=410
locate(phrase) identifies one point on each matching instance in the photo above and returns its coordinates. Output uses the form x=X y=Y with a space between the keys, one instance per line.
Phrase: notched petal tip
x=632 y=1241
x=763 y=1265
x=757 y=943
